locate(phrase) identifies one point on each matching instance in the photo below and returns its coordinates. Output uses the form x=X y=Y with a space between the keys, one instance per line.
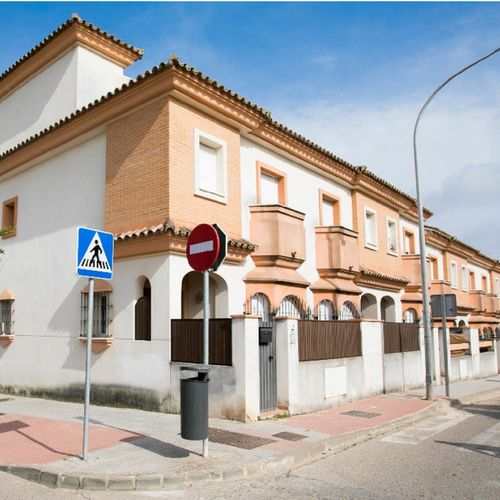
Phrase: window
x=329 y=214
x=260 y=306
x=434 y=265
x=9 y=218
x=497 y=287
x=484 y=283
x=370 y=228
x=409 y=242
x=6 y=322
x=101 y=314
x=454 y=275
x=347 y=311
x=325 y=310
x=464 y=278
x=290 y=307
x=271 y=186
x=472 y=280
x=411 y=316
x=210 y=167
x=392 y=237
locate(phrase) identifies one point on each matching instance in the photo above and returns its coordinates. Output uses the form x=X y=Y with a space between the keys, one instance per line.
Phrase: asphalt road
x=455 y=455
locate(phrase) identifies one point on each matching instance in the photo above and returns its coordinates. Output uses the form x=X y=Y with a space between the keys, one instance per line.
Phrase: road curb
x=277 y=464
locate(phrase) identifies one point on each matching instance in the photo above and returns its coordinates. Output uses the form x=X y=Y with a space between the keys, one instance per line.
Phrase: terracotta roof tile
x=266 y=115
x=439 y=232
x=169 y=226
x=375 y=274
x=74 y=19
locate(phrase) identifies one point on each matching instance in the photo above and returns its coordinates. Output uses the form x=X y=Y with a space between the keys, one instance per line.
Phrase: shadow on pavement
x=17 y=425
x=146 y=442
x=156 y=446
x=491 y=451
x=491 y=411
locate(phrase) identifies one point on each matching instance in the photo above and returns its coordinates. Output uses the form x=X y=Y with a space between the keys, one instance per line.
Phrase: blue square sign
x=94 y=255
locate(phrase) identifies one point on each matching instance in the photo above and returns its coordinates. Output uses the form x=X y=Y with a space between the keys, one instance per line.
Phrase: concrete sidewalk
x=41 y=440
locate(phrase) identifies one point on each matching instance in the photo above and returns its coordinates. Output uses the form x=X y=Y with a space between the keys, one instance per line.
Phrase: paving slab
x=41 y=440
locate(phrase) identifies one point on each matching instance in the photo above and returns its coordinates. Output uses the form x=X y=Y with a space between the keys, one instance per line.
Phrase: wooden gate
x=143 y=319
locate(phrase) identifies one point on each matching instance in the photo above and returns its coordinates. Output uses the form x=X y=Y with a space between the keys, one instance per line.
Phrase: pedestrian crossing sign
x=94 y=256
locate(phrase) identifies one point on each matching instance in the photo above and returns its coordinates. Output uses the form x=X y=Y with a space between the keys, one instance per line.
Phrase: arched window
x=143 y=313
x=388 y=309
x=260 y=306
x=411 y=316
x=192 y=296
x=347 y=311
x=368 y=306
x=325 y=310
x=290 y=306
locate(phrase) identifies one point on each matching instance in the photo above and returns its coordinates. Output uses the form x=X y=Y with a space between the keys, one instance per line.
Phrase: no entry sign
x=202 y=247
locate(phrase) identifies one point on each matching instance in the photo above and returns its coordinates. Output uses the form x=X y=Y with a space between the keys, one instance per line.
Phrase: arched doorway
x=388 y=309
x=369 y=306
x=192 y=296
x=143 y=311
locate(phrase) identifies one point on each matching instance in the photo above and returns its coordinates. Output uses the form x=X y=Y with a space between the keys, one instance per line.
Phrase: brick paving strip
x=143 y=450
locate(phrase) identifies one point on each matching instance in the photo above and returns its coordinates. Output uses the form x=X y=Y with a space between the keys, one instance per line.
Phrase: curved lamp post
x=429 y=393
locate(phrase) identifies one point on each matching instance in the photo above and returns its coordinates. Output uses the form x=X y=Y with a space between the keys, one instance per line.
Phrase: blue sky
x=350 y=76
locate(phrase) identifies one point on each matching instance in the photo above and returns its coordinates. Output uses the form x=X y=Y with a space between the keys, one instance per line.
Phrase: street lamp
x=429 y=392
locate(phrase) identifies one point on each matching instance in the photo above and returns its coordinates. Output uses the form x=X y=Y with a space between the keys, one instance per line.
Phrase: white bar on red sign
x=204 y=246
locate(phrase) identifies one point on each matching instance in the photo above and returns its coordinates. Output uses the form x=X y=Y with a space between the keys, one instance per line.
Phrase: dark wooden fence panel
x=187 y=341
x=392 y=338
x=400 y=337
x=320 y=340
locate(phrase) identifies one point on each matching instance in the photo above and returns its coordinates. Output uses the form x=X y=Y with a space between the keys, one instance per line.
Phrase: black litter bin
x=194 y=405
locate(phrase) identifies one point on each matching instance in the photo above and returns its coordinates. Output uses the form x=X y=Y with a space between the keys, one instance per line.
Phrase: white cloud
x=458 y=135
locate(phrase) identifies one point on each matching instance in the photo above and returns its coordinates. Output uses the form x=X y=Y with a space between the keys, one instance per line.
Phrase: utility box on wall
x=265 y=334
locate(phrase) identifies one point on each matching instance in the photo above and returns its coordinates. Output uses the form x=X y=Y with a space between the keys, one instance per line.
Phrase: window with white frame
x=370 y=228
x=454 y=275
x=392 y=236
x=465 y=281
x=210 y=167
x=497 y=287
x=269 y=189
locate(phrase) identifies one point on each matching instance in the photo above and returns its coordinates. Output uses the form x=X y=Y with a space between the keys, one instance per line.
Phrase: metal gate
x=267 y=361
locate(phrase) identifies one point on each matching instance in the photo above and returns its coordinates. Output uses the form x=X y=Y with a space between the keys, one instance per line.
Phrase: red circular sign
x=202 y=247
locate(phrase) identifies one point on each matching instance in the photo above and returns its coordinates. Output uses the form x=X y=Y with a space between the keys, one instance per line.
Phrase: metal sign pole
x=206 y=316
x=445 y=346
x=90 y=324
